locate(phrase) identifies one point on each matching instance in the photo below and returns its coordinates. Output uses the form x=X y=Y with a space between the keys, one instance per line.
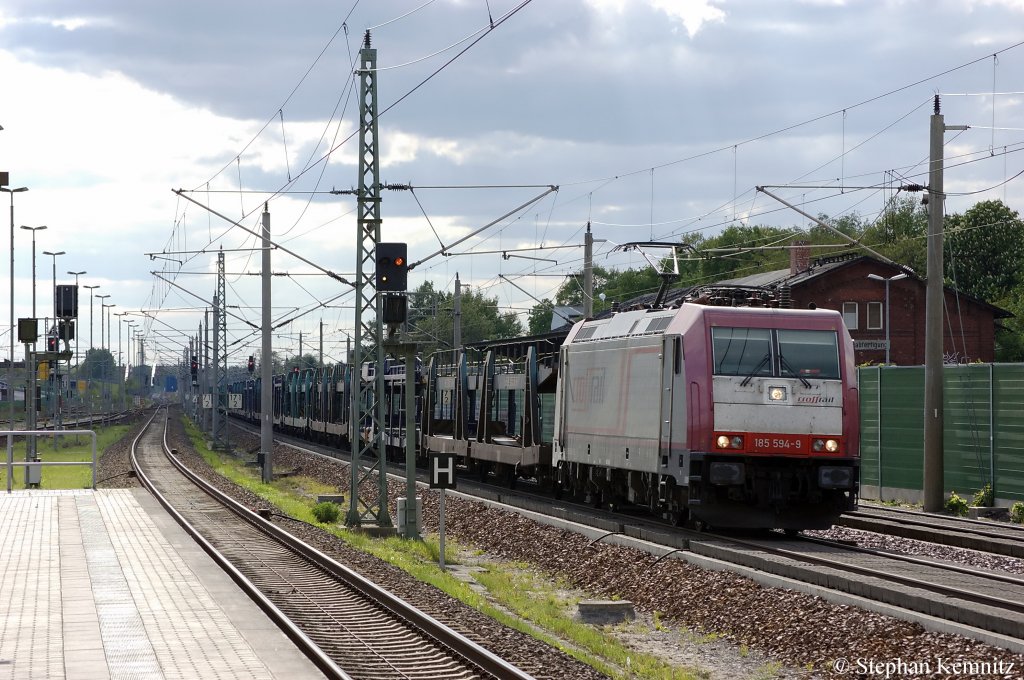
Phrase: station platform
x=104 y=584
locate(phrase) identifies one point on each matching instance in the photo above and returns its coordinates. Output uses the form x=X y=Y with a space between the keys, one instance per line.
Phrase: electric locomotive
x=723 y=416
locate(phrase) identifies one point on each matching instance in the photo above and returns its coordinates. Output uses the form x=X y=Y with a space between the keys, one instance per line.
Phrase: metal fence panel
x=967 y=409
x=1008 y=431
x=870 y=451
x=983 y=431
x=902 y=427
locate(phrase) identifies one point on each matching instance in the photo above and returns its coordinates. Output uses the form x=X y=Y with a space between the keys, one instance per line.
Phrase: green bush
x=983 y=498
x=326 y=512
x=956 y=505
x=1017 y=512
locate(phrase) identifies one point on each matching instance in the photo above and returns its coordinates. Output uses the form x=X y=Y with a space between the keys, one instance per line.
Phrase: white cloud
x=693 y=14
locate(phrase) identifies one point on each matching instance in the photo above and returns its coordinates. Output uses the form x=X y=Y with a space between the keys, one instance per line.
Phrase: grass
x=517 y=597
x=67 y=450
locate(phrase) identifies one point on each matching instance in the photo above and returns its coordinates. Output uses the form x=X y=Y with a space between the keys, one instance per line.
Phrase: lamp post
x=120 y=370
x=92 y=289
x=76 y=275
x=876 y=277
x=103 y=345
x=55 y=373
x=110 y=341
x=10 y=373
x=54 y=255
x=130 y=324
x=33 y=230
x=30 y=450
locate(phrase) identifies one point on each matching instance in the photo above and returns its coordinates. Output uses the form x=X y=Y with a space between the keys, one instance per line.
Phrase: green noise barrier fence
x=983 y=431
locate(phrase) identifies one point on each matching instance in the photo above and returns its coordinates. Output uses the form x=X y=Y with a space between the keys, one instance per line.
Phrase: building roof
x=823 y=266
x=776 y=279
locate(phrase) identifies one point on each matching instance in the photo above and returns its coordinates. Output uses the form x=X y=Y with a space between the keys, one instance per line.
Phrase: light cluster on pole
x=876 y=277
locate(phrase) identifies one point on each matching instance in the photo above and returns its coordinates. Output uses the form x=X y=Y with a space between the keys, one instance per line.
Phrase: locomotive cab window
x=742 y=351
x=808 y=354
x=753 y=352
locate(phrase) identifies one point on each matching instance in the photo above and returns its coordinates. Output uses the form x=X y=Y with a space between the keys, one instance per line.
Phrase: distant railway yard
x=754 y=605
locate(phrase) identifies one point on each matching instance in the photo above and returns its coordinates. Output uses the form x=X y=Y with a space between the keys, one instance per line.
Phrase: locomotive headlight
x=724 y=441
x=776 y=394
x=829 y=445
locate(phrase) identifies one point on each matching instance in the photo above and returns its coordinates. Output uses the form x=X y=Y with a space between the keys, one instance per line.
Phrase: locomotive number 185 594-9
x=778 y=443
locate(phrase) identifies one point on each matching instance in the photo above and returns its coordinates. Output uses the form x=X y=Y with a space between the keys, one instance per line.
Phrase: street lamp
x=129 y=323
x=876 y=277
x=55 y=374
x=10 y=373
x=120 y=371
x=54 y=255
x=30 y=451
x=33 y=230
x=110 y=341
x=102 y=304
x=76 y=275
x=92 y=289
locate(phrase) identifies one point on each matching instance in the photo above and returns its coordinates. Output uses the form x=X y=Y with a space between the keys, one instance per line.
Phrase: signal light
x=392 y=267
x=251 y=365
x=51 y=344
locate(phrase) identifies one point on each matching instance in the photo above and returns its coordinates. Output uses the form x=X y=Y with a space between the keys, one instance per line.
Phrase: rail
x=40 y=463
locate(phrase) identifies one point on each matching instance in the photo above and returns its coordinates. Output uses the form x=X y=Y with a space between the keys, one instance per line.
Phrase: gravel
x=810 y=636
x=909 y=546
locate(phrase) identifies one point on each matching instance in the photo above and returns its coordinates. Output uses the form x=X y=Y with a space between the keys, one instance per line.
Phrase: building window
x=850 y=315
x=875 y=316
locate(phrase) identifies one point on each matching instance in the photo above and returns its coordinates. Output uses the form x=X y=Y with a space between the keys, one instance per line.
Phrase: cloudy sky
x=654 y=118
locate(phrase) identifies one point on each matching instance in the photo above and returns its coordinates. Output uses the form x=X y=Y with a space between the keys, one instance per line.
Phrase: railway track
x=350 y=627
x=980 y=599
x=986 y=600
x=985 y=536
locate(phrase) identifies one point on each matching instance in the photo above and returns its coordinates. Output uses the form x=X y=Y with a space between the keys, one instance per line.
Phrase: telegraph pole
x=367 y=436
x=457 y=313
x=933 y=481
x=588 y=274
x=220 y=358
x=266 y=362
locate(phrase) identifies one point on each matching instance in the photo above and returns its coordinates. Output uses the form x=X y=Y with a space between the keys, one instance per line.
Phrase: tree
x=722 y=266
x=540 y=317
x=901 y=234
x=98 y=364
x=985 y=251
x=984 y=257
x=431 y=318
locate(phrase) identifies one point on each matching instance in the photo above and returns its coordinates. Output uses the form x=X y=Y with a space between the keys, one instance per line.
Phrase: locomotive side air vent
x=658 y=324
x=585 y=334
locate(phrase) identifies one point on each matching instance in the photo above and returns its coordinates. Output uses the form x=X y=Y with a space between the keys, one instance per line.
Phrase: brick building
x=855 y=286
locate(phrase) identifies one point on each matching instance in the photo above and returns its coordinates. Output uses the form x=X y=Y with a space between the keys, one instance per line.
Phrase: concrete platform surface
x=105 y=584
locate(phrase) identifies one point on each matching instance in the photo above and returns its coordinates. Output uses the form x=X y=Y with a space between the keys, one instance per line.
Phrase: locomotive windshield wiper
x=757 y=368
x=785 y=364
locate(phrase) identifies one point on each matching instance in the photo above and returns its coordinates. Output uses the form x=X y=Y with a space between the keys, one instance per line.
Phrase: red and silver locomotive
x=726 y=416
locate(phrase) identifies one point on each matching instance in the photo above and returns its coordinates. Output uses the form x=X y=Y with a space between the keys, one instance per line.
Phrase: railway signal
x=195 y=370
x=392 y=267
x=251 y=365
